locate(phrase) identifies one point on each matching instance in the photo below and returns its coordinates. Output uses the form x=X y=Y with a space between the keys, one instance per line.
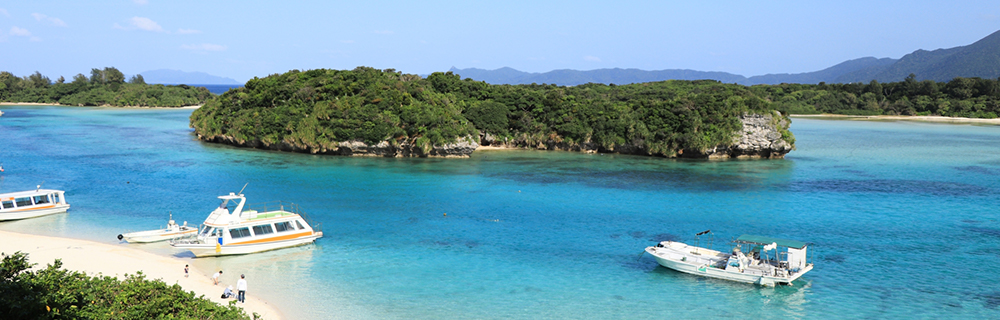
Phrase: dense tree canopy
x=104 y=87
x=56 y=293
x=960 y=97
x=322 y=107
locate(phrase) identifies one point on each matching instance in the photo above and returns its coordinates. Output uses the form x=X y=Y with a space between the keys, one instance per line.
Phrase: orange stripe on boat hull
x=284 y=237
x=33 y=208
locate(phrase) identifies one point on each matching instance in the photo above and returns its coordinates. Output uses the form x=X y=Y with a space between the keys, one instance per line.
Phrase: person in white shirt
x=215 y=278
x=241 y=288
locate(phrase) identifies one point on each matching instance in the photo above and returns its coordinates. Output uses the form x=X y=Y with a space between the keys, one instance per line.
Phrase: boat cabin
x=29 y=200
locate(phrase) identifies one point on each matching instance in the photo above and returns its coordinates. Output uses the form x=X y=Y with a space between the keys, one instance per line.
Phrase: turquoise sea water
x=902 y=217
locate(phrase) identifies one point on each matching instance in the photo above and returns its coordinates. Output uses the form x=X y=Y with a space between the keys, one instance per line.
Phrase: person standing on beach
x=215 y=278
x=185 y=271
x=241 y=287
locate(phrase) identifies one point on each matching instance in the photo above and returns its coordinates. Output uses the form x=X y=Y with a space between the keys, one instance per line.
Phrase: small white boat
x=172 y=231
x=759 y=266
x=33 y=203
x=243 y=231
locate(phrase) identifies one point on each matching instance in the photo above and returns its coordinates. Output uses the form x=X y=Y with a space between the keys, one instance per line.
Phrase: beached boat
x=768 y=261
x=33 y=203
x=172 y=231
x=230 y=229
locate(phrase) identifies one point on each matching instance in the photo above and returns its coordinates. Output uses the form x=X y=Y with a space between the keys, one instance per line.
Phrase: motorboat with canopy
x=754 y=259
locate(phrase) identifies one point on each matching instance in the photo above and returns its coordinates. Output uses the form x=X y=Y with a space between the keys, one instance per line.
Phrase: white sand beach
x=117 y=260
x=938 y=119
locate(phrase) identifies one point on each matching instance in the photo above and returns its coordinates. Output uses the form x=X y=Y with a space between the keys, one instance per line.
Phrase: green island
x=56 y=293
x=960 y=97
x=387 y=113
x=104 y=87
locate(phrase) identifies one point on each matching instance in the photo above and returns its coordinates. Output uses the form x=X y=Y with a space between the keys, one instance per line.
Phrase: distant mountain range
x=980 y=59
x=165 y=76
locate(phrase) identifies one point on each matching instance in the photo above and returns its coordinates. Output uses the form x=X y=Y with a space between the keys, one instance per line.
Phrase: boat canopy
x=746 y=238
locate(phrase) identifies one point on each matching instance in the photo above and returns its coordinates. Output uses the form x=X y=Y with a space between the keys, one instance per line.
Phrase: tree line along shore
x=316 y=110
x=104 y=87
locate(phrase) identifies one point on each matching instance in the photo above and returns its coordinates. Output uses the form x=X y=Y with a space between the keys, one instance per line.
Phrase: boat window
x=55 y=197
x=23 y=202
x=204 y=232
x=299 y=224
x=41 y=199
x=284 y=226
x=262 y=229
x=216 y=232
x=7 y=204
x=239 y=233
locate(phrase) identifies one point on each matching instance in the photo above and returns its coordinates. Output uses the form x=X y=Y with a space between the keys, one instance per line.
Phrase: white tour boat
x=243 y=231
x=30 y=204
x=758 y=266
x=172 y=231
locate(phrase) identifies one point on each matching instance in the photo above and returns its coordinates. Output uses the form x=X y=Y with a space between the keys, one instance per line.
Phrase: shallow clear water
x=902 y=217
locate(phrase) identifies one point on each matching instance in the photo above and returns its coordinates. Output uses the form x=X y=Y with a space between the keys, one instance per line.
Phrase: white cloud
x=15 y=31
x=592 y=58
x=140 y=2
x=57 y=22
x=4 y=12
x=53 y=20
x=146 y=24
x=203 y=47
x=187 y=31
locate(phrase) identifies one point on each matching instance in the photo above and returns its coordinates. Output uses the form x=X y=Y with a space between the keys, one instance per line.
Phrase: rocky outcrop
x=760 y=138
x=463 y=148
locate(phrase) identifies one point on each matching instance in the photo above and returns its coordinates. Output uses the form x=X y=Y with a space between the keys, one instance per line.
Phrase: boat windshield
x=206 y=231
x=229 y=204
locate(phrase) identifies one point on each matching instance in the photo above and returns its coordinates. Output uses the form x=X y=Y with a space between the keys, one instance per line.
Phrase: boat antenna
x=39 y=187
x=244 y=187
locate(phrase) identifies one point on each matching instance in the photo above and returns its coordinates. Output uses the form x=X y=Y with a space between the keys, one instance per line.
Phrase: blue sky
x=243 y=39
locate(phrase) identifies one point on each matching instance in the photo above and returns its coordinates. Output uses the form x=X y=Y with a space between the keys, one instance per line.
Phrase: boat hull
x=680 y=260
x=33 y=213
x=156 y=235
x=201 y=250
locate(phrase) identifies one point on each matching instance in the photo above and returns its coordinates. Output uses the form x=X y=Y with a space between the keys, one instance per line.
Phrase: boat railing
x=284 y=206
x=274 y=206
x=316 y=226
x=185 y=240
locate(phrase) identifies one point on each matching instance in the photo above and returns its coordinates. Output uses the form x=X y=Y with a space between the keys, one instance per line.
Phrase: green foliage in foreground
x=55 y=293
x=105 y=87
x=318 y=108
x=960 y=97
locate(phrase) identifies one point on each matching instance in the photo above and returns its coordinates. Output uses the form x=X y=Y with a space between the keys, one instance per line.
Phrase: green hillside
x=317 y=109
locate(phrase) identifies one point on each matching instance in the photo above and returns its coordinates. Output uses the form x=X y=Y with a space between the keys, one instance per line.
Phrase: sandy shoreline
x=937 y=119
x=117 y=260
